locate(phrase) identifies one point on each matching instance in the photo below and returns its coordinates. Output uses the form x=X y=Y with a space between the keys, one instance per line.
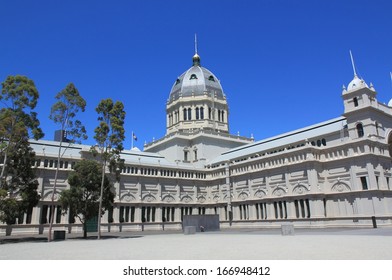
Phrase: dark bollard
x=59 y=235
x=374 y=222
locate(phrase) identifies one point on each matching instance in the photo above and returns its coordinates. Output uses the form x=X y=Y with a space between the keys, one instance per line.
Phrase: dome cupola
x=196 y=81
x=197 y=101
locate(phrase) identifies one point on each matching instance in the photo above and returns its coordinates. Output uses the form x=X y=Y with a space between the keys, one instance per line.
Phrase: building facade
x=334 y=173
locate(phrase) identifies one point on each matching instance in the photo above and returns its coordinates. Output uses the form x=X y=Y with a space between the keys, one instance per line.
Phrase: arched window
x=211 y=78
x=189 y=114
x=201 y=113
x=219 y=115
x=223 y=116
x=209 y=113
x=360 y=130
x=193 y=77
x=197 y=113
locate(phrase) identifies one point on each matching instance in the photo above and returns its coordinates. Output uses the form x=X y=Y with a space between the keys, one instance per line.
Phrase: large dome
x=197 y=80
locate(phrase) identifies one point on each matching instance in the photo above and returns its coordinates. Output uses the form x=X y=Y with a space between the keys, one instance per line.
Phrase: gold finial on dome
x=196 y=60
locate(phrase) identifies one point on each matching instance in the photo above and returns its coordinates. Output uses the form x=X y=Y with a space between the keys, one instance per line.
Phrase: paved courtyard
x=315 y=244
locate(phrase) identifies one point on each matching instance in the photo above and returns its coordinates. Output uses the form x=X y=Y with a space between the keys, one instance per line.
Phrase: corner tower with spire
x=361 y=108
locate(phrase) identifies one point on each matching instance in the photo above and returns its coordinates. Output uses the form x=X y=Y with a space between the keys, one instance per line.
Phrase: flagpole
x=132 y=141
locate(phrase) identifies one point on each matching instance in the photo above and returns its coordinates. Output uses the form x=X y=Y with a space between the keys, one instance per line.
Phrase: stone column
x=35 y=215
x=316 y=208
x=252 y=212
x=139 y=190
x=330 y=209
x=138 y=214
x=382 y=180
x=222 y=214
x=353 y=179
x=235 y=211
x=116 y=213
x=229 y=191
x=64 y=219
x=271 y=211
x=291 y=209
x=158 y=213
x=177 y=214
x=372 y=177
x=117 y=189
x=104 y=218
x=312 y=178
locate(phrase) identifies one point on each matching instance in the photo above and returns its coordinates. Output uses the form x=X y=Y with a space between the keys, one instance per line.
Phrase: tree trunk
x=54 y=189
x=100 y=199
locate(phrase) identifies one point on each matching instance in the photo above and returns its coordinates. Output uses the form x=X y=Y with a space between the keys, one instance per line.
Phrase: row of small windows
x=271 y=152
x=186 y=156
x=319 y=142
x=364 y=182
x=194 y=77
x=360 y=129
x=302 y=210
x=198 y=115
x=52 y=163
x=148 y=214
x=163 y=172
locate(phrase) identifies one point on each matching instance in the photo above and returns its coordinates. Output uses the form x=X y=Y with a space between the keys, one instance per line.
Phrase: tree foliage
x=109 y=135
x=63 y=113
x=19 y=97
x=18 y=122
x=19 y=188
x=82 y=199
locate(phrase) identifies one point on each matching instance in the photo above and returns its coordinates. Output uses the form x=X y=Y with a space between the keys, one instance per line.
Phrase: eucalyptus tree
x=63 y=113
x=109 y=135
x=19 y=193
x=82 y=199
x=18 y=123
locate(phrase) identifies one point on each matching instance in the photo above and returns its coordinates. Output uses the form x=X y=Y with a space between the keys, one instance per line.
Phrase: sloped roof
x=282 y=140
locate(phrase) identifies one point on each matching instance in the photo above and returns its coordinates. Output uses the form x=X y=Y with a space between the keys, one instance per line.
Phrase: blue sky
x=282 y=64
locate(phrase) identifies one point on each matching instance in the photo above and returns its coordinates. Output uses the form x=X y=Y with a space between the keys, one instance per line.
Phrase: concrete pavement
x=306 y=244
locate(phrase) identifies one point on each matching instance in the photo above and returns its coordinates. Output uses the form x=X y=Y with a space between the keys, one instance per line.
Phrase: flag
x=134 y=136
